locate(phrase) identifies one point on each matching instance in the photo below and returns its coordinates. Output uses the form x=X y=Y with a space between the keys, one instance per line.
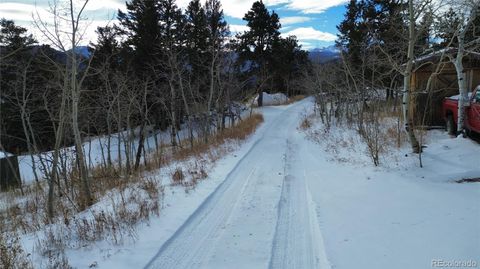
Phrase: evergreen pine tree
x=289 y=60
x=447 y=25
x=197 y=36
x=351 y=33
x=255 y=47
x=140 y=25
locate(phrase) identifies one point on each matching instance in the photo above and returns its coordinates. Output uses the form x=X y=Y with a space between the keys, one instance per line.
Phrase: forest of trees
x=158 y=68
x=175 y=64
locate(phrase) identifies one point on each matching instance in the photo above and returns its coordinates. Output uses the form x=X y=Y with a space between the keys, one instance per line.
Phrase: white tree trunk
x=463 y=91
x=461 y=77
x=406 y=81
x=75 y=95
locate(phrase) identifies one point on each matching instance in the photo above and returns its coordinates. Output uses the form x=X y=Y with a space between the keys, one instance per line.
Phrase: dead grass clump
x=295 y=98
x=12 y=255
x=197 y=171
x=129 y=206
x=178 y=176
x=58 y=260
x=241 y=130
x=305 y=124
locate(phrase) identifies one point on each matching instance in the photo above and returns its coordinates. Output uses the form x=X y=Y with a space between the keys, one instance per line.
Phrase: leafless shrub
x=133 y=198
x=178 y=176
x=58 y=260
x=305 y=124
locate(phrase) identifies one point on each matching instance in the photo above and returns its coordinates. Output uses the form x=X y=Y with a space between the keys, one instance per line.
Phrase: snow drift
x=272 y=99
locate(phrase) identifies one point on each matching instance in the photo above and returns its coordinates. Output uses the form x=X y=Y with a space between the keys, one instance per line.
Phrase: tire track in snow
x=298 y=242
x=187 y=247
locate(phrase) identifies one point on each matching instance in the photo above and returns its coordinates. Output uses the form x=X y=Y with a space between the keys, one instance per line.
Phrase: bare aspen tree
x=412 y=38
x=143 y=110
x=69 y=17
x=467 y=17
x=24 y=115
x=415 y=11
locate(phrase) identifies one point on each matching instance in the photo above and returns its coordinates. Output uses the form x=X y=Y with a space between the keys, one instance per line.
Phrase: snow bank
x=273 y=99
x=397 y=215
x=457 y=97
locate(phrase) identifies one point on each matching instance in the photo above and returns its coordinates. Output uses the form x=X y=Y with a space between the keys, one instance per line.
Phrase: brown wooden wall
x=443 y=85
x=9 y=173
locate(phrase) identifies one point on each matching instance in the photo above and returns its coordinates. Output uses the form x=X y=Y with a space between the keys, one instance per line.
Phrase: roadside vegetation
x=371 y=88
x=122 y=202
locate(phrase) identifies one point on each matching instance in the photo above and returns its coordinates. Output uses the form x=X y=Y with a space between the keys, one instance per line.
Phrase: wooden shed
x=9 y=172
x=427 y=105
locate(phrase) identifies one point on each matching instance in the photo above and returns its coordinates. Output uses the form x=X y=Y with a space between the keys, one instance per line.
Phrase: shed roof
x=435 y=56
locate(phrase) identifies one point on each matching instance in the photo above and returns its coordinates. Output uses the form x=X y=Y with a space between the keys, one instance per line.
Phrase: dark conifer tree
x=289 y=61
x=172 y=26
x=446 y=27
x=15 y=55
x=352 y=32
x=141 y=26
x=256 y=44
x=197 y=36
x=217 y=32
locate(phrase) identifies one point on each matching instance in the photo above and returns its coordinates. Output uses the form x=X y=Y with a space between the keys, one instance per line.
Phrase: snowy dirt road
x=285 y=204
x=261 y=216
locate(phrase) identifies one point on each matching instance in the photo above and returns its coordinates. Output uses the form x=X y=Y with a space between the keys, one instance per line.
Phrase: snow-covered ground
x=96 y=148
x=397 y=215
x=286 y=200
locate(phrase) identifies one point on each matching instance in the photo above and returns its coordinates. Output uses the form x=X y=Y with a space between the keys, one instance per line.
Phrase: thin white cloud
x=309 y=33
x=25 y=14
x=294 y=20
x=314 y=6
x=238 y=8
x=20 y=12
x=104 y=4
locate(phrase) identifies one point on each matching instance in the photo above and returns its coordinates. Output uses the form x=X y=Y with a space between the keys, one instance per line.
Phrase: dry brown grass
x=240 y=132
x=305 y=124
x=210 y=152
x=12 y=256
x=178 y=177
x=295 y=98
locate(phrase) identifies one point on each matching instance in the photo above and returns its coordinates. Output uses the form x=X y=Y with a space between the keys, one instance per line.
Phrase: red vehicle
x=472 y=113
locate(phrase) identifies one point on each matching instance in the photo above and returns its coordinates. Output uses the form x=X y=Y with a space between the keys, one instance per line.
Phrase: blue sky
x=312 y=21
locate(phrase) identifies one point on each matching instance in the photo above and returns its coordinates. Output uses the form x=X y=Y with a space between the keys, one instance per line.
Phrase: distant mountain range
x=83 y=50
x=318 y=55
x=323 y=55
